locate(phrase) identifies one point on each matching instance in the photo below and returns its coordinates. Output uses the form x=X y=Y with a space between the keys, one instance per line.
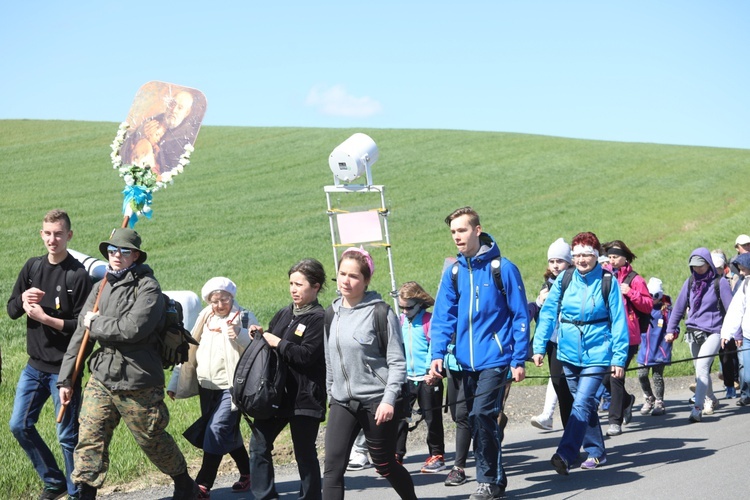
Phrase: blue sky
x=670 y=72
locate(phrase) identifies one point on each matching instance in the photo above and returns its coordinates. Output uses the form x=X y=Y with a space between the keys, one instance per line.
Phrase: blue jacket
x=416 y=344
x=492 y=330
x=595 y=344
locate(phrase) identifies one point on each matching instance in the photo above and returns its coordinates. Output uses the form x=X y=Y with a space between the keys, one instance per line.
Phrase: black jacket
x=301 y=348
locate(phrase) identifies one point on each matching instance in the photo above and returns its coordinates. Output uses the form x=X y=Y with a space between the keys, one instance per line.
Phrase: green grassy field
x=252 y=203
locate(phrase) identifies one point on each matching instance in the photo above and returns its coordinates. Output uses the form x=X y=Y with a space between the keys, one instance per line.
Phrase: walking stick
x=85 y=340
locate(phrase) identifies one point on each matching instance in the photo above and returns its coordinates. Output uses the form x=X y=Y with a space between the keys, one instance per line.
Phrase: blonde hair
x=411 y=290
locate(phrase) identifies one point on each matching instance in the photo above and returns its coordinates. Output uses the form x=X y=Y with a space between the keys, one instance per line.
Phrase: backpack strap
x=34 y=276
x=495 y=265
x=720 y=303
x=606 y=288
x=629 y=278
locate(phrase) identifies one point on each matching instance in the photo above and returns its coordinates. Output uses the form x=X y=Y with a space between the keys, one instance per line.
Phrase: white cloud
x=336 y=101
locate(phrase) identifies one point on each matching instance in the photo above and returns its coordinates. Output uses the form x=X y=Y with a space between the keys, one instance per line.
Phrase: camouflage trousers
x=146 y=416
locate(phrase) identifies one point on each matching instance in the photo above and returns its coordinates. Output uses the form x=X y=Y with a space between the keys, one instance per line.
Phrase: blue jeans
x=744 y=358
x=484 y=392
x=34 y=388
x=583 y=425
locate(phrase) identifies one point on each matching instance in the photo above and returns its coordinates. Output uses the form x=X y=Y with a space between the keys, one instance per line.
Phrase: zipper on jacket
x=341 y=357
x=373 y=372
x=471 y=315
x=497 y=341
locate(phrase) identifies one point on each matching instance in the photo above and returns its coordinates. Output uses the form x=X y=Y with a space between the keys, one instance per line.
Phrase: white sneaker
x=358 y=461
x=542 y=422
x=710 y=405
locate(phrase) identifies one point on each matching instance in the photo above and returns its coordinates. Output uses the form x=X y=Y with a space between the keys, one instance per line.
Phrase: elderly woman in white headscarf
x=221 y=331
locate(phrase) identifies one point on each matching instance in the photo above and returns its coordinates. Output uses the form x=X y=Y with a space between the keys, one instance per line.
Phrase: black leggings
x=460 y=415
x=343 y=426
x=210 y=466
x=559 y=383
x=616 y=387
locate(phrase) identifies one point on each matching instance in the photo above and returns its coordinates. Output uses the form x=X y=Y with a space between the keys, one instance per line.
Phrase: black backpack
x=494 y=265
x=606 y=287
x=644 y=319
x=174 y=339
x=259 y=380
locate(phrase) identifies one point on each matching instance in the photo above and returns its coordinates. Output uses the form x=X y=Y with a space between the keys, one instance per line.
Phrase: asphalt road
x=654 y=458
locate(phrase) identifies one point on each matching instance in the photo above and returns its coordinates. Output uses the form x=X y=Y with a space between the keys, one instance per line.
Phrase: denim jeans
x=744 y=358
x=583 y=427
x=484 y=392
x=33 y=390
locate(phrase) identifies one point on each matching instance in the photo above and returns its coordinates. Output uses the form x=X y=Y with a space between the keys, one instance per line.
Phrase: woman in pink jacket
x=638 y=303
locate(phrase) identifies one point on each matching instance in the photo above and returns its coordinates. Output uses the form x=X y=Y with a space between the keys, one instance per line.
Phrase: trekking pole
x=85 y=340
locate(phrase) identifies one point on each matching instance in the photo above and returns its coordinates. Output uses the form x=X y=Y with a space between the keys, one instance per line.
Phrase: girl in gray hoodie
x=363 y=380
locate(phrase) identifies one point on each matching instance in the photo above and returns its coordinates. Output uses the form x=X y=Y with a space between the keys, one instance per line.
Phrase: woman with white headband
x=364 y=378
x=592 y=340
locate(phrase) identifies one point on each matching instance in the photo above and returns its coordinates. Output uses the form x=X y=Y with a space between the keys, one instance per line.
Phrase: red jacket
x=637 y=298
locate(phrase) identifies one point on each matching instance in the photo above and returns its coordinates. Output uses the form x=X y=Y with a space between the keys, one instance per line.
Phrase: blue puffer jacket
x=492 y=330
x=595 y=344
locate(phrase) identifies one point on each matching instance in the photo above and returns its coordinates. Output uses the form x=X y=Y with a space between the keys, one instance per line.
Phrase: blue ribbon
x=137 y=197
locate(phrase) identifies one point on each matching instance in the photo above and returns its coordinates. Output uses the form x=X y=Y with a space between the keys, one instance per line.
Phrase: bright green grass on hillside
x=252 y=203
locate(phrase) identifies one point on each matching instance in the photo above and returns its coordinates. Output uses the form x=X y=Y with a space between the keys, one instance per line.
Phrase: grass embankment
x=252 y=203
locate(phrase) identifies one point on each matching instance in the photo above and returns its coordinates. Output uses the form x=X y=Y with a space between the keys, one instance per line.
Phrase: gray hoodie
x=355 y=367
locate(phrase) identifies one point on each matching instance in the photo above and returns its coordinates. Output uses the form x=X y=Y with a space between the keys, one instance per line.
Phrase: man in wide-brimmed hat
x=127 y=379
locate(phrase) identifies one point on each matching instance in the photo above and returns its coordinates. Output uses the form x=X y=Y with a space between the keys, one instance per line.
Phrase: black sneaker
x=456 y=477
x=560 y=465
x=627 y=415
x=53 y=492
x=487 y=491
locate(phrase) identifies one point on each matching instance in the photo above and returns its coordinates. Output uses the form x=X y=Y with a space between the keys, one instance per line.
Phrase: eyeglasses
x=216 y=302
x=125 y=252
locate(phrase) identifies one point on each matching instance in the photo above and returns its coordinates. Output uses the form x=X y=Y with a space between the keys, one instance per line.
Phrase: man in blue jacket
x=489 y=315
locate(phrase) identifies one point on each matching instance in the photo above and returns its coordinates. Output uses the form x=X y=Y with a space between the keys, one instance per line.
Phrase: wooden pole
x=85 y=340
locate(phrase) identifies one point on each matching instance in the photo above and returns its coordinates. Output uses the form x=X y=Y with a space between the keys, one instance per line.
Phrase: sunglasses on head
x=125 y=252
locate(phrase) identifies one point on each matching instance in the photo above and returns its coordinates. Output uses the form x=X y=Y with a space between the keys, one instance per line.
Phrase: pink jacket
x=637 y=298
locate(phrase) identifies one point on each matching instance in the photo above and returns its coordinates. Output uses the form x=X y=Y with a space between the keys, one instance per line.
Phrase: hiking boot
x=593 y=463
x=433 y=464
x=614 y=430
x=358 y=461
x=456 y=477
x=731 y=392
x=185 y=488
x=51 y=492
x=627 y=415
x=658 y=408
x=242 y=484
x=203 y=492
x=86 y=492
x=648 y=406
x=560 y=465
x=542 y=422
x=487 y=491
x=743 y=402
x=695 y=415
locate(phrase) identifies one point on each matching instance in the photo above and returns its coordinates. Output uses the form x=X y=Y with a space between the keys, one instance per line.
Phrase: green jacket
x=131 y=311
